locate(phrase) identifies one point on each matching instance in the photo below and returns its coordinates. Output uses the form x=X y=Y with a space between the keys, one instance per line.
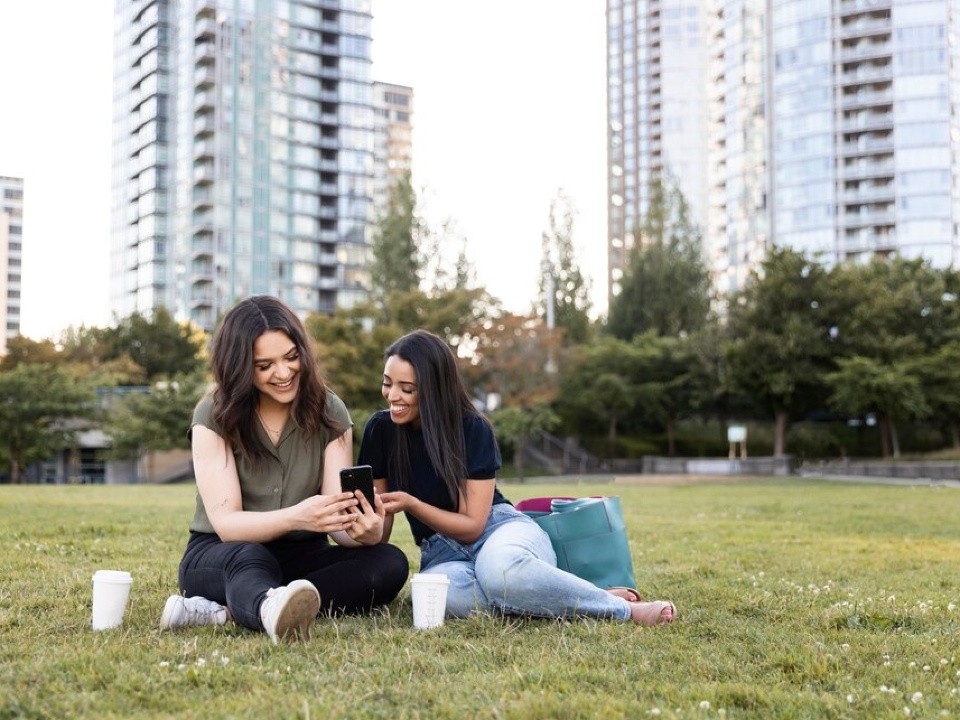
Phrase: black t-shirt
x=483 y=461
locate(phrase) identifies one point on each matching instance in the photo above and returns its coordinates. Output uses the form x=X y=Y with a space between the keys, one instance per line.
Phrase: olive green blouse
x=292 y=472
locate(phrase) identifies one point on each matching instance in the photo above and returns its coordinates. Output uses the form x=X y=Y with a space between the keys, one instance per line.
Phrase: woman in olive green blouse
x=268 y=443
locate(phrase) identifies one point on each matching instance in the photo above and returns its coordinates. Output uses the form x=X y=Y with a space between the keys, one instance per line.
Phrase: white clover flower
x=926 y=668
x=951 y=607
x=912 y=664
x=181 y=666
x=850 y=698
x=906 y=711
x=916 y=697
x=845 y=646
x=164 y=663
x=704 y=704
x=224 y=660
x=655 y=711
x=943 y=661
x=201 y=662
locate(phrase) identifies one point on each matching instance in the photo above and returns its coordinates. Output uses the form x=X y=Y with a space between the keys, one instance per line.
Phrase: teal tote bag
x=588 y=536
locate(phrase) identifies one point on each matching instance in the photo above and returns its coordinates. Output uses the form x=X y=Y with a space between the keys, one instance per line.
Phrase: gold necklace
x=266 y=427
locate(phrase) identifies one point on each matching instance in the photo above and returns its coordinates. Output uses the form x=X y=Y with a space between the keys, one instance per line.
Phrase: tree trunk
x=955 y=436
x=884 y=426
x=780 y=432
x=14 y=470
x=894 y=439
x=612 y=436
x=671 y=437
x=518 y=458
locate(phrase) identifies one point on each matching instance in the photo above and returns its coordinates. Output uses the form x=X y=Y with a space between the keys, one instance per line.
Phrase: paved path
x=693 y=479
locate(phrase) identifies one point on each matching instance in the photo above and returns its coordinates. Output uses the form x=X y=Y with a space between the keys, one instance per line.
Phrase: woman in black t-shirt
x=436 y=459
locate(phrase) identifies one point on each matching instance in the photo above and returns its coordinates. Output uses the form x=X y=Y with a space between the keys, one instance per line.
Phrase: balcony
x=865 y=51
x=865 y=28
x=201 y=245
x=203 y=102
x=868 y=122
x=202 y=198
x=203 y=125
x=203 y=174
x=205 y=51
x=867 y=170
x=871 y=218
x=856 y=7
x=869 y=194
x=205 y=29
x=203 y=149
x=866 y=98
x=867 y=74
x=869 y=147
x=204 y=76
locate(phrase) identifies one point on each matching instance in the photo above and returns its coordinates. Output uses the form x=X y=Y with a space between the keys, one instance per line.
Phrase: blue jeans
x=512 y=569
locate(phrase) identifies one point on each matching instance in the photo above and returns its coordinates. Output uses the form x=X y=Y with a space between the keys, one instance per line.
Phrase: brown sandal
x=629 y=594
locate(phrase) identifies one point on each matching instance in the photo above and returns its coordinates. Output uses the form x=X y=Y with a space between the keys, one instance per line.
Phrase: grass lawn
x=796 y=599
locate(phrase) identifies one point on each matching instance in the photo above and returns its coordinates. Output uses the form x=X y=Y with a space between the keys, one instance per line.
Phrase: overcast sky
x=509 y=109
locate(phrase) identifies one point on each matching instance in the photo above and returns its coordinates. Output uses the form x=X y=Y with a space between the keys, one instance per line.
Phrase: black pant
x=238 y=574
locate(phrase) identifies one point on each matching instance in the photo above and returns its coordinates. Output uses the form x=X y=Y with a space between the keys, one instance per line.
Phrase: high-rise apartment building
x=11 y=257
x=243 y=154
x=393 y=150
x=831 y=130
x=657 y=59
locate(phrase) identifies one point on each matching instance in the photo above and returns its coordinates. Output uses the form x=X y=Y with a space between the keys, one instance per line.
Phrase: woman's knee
x=389 y=568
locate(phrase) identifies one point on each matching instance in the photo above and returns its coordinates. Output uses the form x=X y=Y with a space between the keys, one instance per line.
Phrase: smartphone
x=359 y=477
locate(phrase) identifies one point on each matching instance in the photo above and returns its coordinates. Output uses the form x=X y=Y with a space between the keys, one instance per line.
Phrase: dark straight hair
x=235 y=398
x=443 y=402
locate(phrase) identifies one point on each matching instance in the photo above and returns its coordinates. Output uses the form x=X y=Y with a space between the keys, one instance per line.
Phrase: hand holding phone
x=358 y=477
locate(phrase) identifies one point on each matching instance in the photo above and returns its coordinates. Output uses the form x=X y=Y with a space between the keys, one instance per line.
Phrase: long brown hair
x=235 y=397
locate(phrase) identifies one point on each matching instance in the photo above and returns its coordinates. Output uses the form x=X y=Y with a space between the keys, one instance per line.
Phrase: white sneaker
x=289 y=610
x=191 y=612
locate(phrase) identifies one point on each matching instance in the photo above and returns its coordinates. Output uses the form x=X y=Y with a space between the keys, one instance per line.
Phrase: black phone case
x=359 y=477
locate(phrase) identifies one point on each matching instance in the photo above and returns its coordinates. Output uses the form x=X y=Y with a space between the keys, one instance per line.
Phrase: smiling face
x=276 y=367
x=400 y=391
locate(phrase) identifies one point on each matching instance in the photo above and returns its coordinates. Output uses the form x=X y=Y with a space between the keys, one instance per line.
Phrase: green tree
x=451 y=314
x=159 y=344
x=779 y=339
x=41 y=409
x=599 y=389
x=564 y=294
x=515 y=357
x=665 y=286
x=156 y=420
x=939 y=373
x=350 y=345
x=21 y=349
x=397 y=260
x=863 y=385
x=515 y=426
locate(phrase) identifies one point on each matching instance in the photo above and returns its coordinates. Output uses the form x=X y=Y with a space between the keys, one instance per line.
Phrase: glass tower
x=657 y=61
x=830 y=129
x=243 y=154
x=11 y=257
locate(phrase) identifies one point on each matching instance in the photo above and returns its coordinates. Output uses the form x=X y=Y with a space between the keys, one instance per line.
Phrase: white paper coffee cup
x=111 y=591
x=429 y=594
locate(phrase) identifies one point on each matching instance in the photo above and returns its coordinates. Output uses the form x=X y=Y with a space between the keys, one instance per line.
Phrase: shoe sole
x=298 y=613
